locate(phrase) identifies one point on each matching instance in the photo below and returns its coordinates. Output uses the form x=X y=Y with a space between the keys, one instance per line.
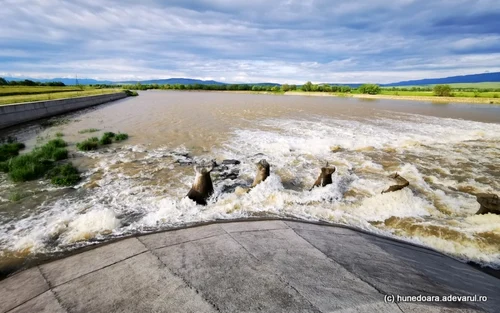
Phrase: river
x=446 y=151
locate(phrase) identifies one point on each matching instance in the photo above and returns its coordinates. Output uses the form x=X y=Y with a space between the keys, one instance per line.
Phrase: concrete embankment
x=252 y=266
x=14 y=114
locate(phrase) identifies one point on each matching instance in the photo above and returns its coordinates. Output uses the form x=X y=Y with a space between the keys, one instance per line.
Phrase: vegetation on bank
x=94 y=143
x=40 y=162
x=52 y=95
x=27 y=82
x=88 y=130
x=131 y=93
x=462 y=90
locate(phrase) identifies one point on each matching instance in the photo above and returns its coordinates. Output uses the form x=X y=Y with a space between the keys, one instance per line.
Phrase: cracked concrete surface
x=249 y=266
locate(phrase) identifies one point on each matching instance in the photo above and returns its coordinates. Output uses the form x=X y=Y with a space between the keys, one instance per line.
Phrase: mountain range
x=474 y=78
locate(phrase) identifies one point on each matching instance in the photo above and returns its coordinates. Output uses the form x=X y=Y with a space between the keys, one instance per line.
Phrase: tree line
x=27 y=82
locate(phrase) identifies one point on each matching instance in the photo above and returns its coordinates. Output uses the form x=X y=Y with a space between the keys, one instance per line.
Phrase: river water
x=446 y=151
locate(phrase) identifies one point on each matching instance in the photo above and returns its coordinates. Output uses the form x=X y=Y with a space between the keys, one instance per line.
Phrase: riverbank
x=14 y=114
x=31 y=94
x=201 y=268
x=478 y=100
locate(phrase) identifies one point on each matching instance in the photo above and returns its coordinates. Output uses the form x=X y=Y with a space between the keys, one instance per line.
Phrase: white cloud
x=242 y=41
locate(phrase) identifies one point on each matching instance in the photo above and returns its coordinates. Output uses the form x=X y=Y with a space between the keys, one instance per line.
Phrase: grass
x=484 y=85
x=30 y=90
x=38 y=163
x=59 y=135
x=15 y=196
x=131 y=93
x=88 y=130
x=46 y=95
x=55 y=122
x=35 y=164
x=64 y=175
x=121 y=137
x=106 y=139
x=10 y=150
x=89 y=144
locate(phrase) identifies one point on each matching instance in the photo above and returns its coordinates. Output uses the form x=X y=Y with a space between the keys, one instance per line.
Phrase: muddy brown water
x=446 y=151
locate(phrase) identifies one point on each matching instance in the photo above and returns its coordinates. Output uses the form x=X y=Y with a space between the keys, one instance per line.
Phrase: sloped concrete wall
x=24 y=112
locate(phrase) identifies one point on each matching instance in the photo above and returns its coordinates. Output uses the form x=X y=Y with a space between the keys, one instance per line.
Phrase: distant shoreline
x=494 y=101
x=444 y=100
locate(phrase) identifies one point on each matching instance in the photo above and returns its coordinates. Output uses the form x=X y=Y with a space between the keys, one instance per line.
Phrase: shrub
x=89 y=144
x=64 y=175
x=59 y=134
x=442 y=90
x=121 y=137
x=370 y=89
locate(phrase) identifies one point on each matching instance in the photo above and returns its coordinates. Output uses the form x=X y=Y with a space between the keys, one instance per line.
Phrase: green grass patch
x=131 y=93
x=89 y=144
x=88 y=130
x=59 y=135
x=107 y=138
x=10 y=150
x=121 y=137
x=15 y=196
x=87 y=91
x=64 y=175
x=35 y=164
x=94 y=143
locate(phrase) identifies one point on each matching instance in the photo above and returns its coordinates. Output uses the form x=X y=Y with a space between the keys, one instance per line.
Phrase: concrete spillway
x=260 y=266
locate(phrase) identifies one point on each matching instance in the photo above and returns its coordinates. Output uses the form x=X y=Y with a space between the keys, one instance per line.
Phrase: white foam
x=296 y=149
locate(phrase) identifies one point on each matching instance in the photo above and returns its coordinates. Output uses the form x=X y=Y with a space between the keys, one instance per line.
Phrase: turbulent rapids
x=141 y=185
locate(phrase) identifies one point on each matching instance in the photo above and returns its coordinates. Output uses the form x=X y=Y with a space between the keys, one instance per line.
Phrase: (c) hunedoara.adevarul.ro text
x=428 y=298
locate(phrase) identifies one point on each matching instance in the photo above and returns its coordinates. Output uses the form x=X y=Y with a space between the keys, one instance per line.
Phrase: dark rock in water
x=490 y=203
x=231 y=162
x=184 y=162
x=402 y=184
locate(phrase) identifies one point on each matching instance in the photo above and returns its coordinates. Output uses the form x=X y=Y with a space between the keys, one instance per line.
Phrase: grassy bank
x=408 y=95
x=27 y=94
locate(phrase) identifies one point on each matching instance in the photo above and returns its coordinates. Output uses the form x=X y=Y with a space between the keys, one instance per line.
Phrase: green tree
x=370 y=89
x=307 y=86
x=285 y=87
x=442 y=90
x=293 y=87
x=3 y=81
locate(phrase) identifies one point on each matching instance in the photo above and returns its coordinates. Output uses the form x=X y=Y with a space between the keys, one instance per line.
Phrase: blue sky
x=250 y=41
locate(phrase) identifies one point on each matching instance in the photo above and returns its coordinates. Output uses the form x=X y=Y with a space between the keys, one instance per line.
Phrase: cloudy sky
x=249 y=40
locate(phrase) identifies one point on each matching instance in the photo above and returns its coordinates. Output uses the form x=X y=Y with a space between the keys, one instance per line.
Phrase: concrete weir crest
x=249 y=266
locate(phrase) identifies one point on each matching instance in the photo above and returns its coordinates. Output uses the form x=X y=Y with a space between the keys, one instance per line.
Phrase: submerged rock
x=402 y=184
x=490 y=203
x=230 y=162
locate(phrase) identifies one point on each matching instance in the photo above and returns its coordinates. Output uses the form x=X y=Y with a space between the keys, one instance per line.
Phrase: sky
x=233 y=41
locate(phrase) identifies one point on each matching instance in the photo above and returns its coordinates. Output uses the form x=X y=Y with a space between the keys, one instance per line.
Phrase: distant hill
x=173 y=81
x=474 y=78
x=464 y=79
x=66 y=81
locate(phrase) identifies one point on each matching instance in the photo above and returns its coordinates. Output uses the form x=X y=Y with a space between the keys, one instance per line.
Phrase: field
x=485 y=85
x=19 y=94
